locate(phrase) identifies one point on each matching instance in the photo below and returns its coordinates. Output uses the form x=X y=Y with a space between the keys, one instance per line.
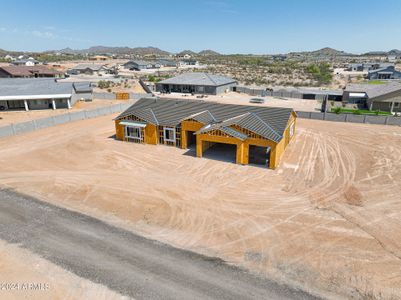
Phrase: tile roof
x=198 y=78
x=33 y=86
x=269 y=122
x=374 y=90
x=29 y=70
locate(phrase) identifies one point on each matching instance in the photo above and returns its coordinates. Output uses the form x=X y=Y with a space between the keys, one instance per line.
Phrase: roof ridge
x=242 y=115
x=210 y=78
x=267 y=124
x=154 y=116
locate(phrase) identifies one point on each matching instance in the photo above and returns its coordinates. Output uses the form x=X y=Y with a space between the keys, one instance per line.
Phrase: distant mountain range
x=322 y=52
x=378 y=53
x=116 y=50
x=142 y=51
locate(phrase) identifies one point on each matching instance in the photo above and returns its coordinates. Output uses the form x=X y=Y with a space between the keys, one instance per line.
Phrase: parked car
x=257 y=100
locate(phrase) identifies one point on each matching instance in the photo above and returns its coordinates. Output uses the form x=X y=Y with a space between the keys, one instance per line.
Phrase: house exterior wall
x=196 y=89
x=223 y=88
x=386 y=106
x=377 y=75
x=4 y=74
x=81 y=96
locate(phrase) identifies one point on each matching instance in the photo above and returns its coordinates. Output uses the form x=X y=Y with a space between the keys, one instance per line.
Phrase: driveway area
x=125 y=262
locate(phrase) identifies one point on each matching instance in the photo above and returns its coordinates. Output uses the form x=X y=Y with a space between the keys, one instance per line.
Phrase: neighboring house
x=366 y=67
x=25 y=62
x=28 y=72
x=279 y=57
x=42 y=93
x=166 y=63
x=393 y=58
x=384 y=74
x=188 y=62
x=183 y=56
x=87 y=69
x=139 y=65
x=196 y=83
x=383 y=97
x=307 y=93
x=247 y=134
x=9 y=57
x=99 y=58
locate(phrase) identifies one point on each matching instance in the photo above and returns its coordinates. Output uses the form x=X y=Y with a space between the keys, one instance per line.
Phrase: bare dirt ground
x=243 y=99
x=15 y=116
x=328 y=219
x=19 y=266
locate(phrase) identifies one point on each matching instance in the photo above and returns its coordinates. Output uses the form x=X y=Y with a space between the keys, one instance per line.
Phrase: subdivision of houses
x=366 y=67
x=29 y=72
x=41 y=93
x=197 y=83
x=382 y=97
x=250 y=134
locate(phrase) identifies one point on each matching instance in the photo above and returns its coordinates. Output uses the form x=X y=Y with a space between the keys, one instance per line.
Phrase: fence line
x=351 y=118
x=32 y=125
x=113 y=96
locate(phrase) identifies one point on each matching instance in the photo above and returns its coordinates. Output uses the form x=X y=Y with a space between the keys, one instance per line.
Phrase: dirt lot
x=237 y=98
x=328 y=219
x=15 y=116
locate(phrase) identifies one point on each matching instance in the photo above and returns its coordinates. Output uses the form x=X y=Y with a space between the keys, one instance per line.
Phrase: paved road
x=125 y=262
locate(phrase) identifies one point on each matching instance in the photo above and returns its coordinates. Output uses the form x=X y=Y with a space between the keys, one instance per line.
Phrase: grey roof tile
x=33 y=86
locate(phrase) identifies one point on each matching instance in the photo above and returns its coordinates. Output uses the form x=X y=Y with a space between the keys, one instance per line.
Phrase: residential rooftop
x=198 y=78
x=10 y=87
x=374 y=90
x=269 y=122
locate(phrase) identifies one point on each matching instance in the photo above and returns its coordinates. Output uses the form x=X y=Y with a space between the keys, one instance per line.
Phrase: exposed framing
x=138 y=138
x=169 y=129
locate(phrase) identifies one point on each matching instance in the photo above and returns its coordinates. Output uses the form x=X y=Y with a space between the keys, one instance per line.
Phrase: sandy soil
x=237 y=98
x=16 y=116
x=19 y=266
x=328 y=219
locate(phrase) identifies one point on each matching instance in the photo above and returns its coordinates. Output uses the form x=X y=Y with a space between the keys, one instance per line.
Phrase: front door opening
x=259 y=155
x=191 y=139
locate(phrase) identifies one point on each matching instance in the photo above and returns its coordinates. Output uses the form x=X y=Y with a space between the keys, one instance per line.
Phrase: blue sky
x=236 y=26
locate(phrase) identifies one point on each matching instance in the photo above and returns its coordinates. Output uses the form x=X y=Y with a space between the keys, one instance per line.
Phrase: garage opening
x=220 y=151
x=16 y=104
x=259 y=155
x=309 y=96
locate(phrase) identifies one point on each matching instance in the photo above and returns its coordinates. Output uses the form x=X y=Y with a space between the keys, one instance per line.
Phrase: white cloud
x=43 y=34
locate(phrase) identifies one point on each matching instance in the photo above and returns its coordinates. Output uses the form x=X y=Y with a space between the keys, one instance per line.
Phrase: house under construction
x=253 y=134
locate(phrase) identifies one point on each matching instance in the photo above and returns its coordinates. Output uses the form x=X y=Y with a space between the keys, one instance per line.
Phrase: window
x=133 y=133
x=169 y=134
x=396 y=104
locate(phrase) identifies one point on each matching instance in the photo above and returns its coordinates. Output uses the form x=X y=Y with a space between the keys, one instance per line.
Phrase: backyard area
x=327 y=220
x=340 y=110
